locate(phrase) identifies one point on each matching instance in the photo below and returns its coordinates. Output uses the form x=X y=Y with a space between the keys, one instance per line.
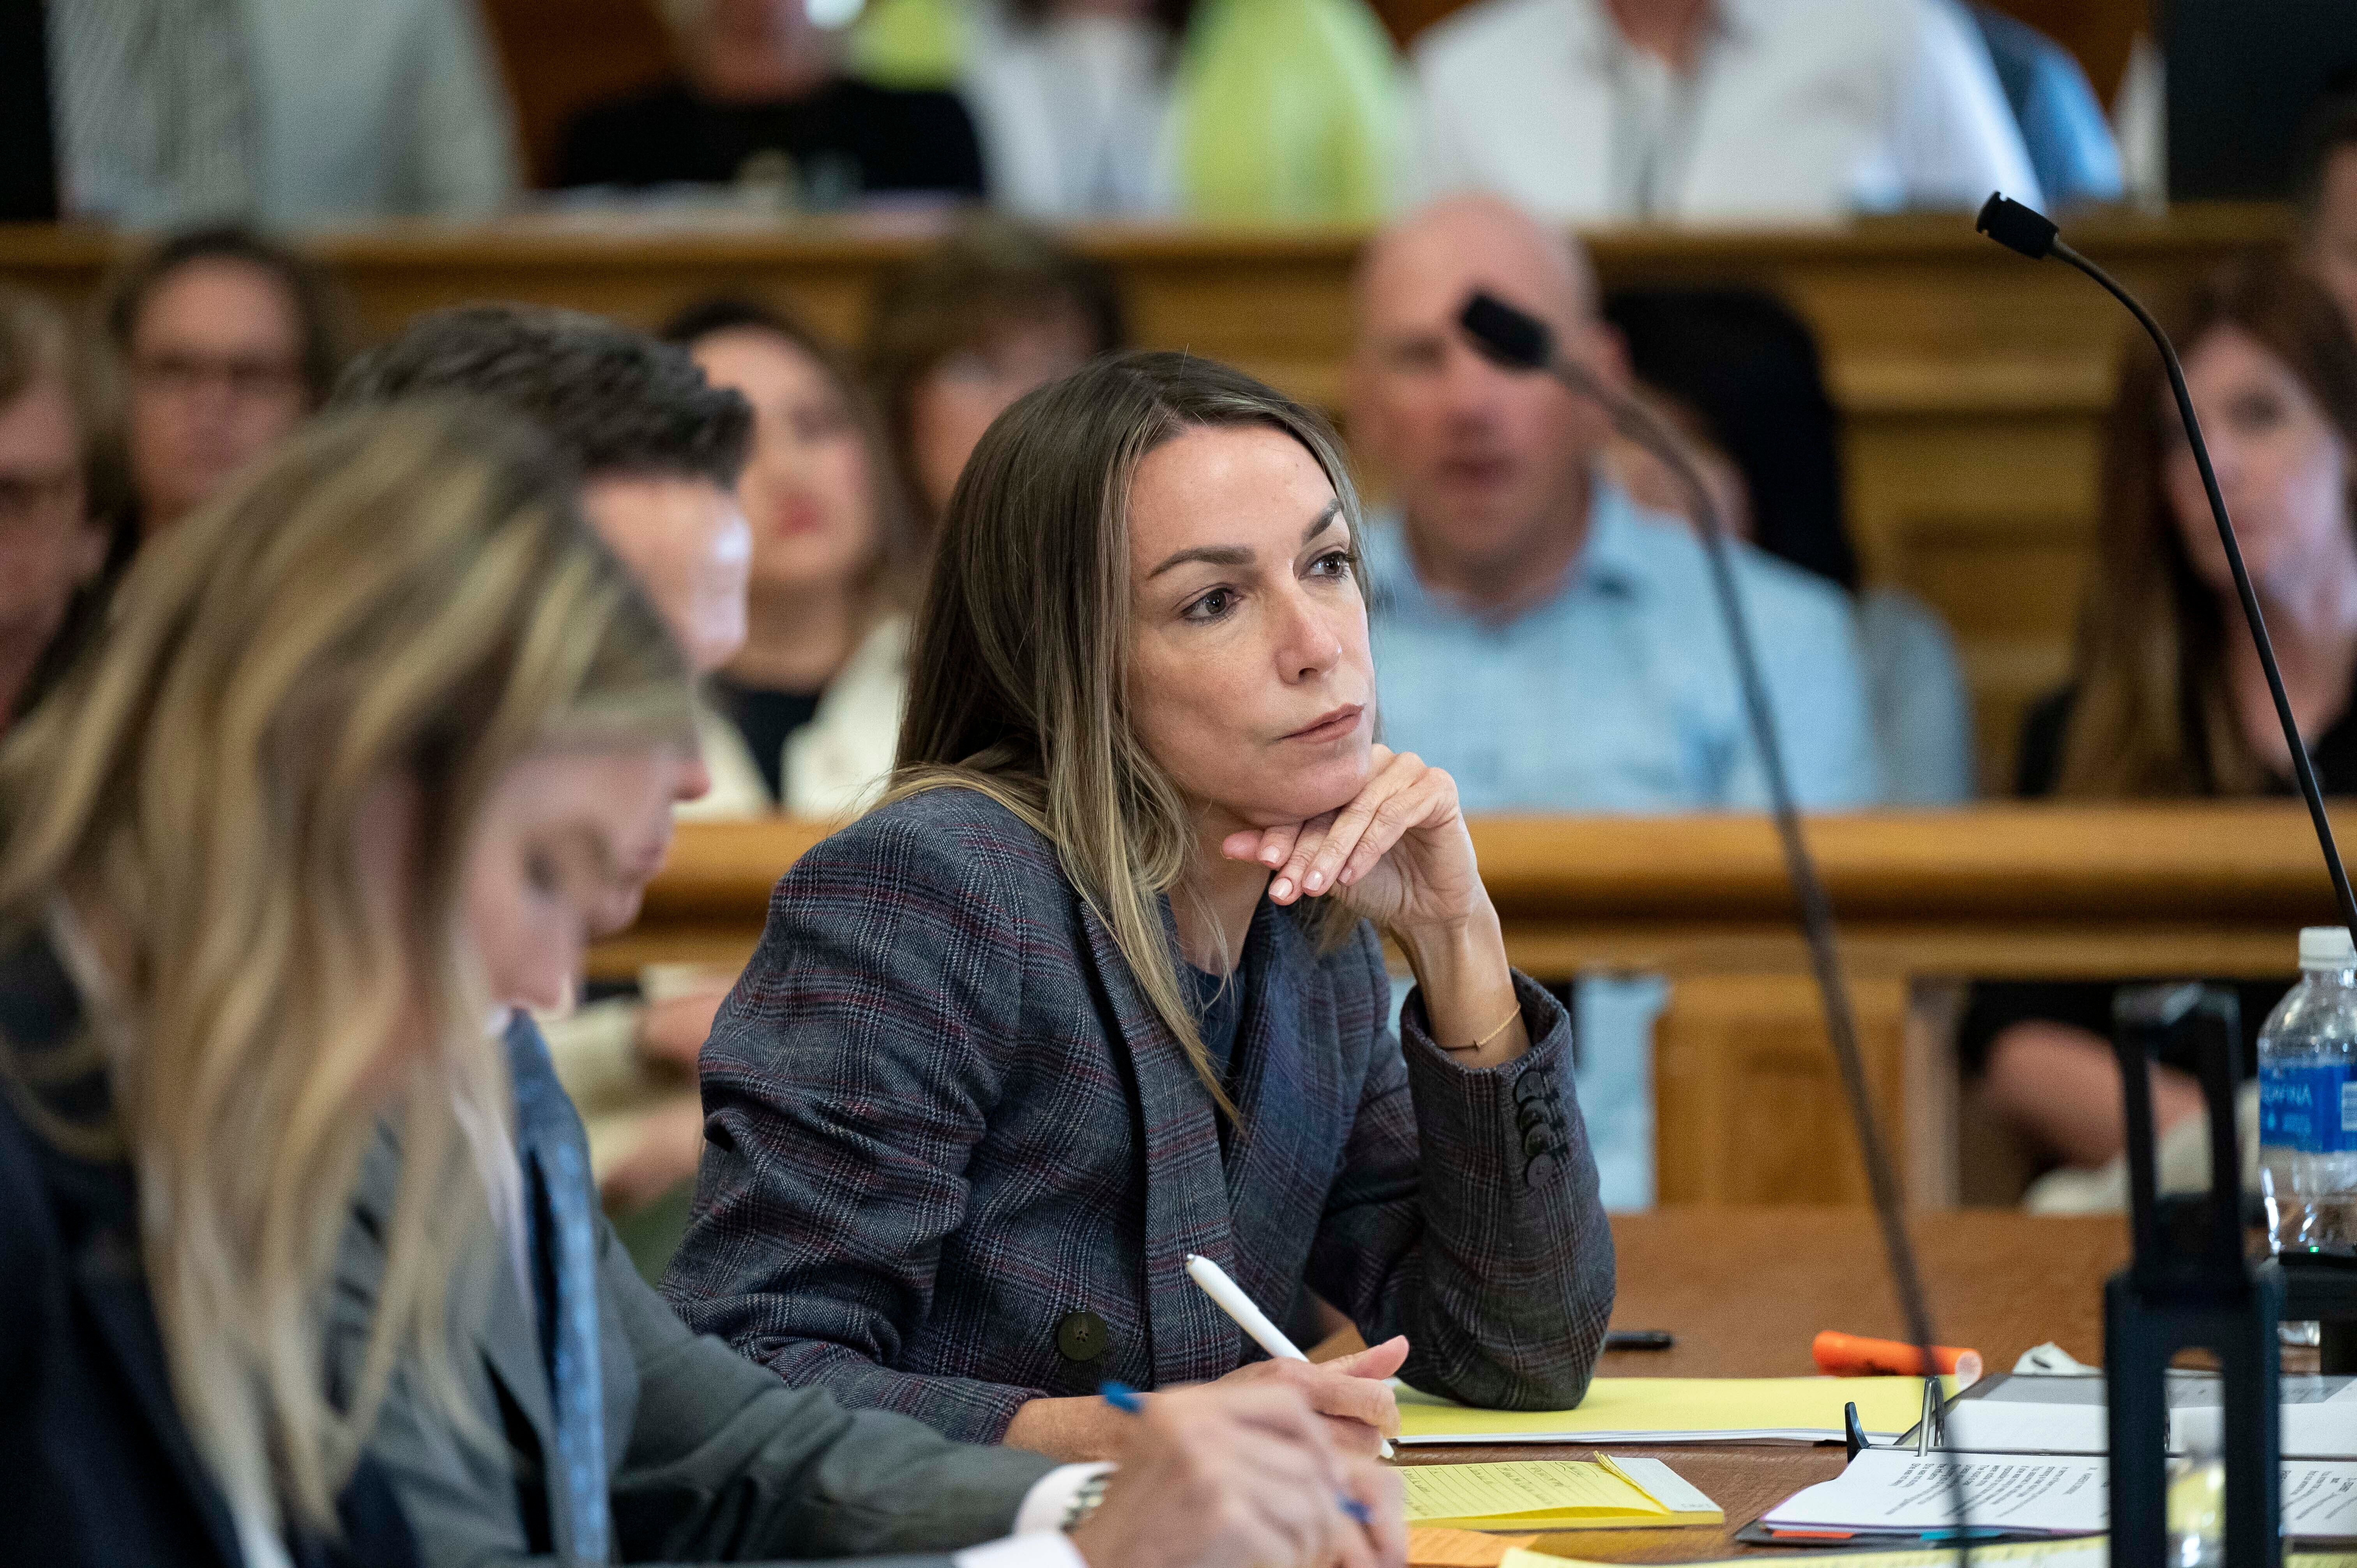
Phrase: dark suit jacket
x=955 y=1162
x=713 y=1460
x=99 y=1469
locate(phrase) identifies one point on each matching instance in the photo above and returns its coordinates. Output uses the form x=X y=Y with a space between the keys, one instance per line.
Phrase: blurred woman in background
x=342 y=741
x=2166 y=699
x=219 y=343
x=53 y=552
x=964 y=329
x=814 y=695
x=802 y=719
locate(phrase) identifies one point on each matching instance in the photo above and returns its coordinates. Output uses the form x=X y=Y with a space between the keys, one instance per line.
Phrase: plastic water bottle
x=2307 y=1101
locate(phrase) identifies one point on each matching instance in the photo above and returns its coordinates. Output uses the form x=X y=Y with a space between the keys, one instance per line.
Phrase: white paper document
x=1895 y=1490
x=2015 y=1414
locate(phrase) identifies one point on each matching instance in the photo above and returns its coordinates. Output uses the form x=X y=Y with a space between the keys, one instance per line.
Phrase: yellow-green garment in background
x=910 y=43
x=1288 y=110
x=1285 y=111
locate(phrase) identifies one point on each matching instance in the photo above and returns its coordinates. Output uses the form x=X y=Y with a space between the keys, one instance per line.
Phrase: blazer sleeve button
x=1082 y=1337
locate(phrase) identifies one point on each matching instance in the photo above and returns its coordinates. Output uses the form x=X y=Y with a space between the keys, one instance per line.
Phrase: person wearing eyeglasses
x=219 y=343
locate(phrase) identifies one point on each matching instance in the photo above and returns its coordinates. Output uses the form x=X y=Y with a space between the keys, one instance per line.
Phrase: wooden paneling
x=2098 y=31
x=562 y=56
x=1747 y=1105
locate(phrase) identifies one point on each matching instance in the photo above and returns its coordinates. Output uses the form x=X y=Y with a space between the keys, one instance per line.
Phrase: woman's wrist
x=1069 y=1431
x=1469 y=1002
x=1446 y=954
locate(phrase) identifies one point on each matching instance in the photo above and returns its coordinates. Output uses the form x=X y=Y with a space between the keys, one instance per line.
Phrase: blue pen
x=1123 y=1397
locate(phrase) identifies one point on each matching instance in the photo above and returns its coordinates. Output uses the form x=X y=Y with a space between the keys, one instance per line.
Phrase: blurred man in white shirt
x=1716 y=111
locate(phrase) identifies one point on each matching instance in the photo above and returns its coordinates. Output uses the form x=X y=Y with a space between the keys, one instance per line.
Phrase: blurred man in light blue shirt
x=1550 y=644
x=1617 y=693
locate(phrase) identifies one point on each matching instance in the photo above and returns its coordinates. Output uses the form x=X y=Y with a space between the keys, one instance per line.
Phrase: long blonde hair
x=2151 y=714
x=1019 y=683
x=406 y=595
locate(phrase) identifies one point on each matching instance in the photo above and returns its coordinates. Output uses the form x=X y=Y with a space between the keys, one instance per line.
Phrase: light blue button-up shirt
x=1619 y=693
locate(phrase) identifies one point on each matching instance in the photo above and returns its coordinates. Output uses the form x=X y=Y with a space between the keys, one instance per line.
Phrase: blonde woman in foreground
x=342 y=740
x=374 y=747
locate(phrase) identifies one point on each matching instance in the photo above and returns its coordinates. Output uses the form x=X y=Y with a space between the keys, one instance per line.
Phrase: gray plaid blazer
x=954 y=1162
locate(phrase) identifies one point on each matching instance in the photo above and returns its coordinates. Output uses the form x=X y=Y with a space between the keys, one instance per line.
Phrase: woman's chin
x=1328 y=789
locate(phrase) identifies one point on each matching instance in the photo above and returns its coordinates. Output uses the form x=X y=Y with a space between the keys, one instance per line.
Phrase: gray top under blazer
x=954 y=1162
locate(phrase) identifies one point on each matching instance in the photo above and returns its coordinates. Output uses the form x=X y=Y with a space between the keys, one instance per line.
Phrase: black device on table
x=1640 y=1340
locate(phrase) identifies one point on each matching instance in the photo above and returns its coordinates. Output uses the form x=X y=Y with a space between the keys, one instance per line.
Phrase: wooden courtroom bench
x=1748 y=1107
x=1973 y=381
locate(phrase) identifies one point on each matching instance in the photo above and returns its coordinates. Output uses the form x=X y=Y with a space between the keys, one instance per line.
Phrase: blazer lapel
x=1186 y=1192
x=108 y=1278
x=508 y=1331
x=1281 y=1158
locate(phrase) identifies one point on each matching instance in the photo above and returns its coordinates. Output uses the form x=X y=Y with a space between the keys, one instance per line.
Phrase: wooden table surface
x=1744 y=1290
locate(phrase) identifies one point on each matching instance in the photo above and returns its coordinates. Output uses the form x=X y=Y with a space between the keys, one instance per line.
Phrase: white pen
x=1230 y=1297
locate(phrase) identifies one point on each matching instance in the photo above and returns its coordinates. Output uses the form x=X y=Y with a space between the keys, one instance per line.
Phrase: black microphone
x=1520 y=341
x=2032 y=232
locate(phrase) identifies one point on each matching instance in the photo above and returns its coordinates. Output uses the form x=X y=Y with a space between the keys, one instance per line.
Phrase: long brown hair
x=2152 y=714
x=1020 y=669
x=405 y=593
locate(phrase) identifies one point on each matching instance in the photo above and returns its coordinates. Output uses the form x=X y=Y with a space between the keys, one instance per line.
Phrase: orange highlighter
x=1853 y=1356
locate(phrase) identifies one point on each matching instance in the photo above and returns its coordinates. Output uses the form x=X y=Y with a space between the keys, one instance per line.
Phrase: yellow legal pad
x=1678 y=1409
x=1431 y=1546
x=1554 y=1494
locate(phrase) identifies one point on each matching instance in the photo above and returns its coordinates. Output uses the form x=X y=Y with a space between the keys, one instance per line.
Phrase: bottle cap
x=2326 y=947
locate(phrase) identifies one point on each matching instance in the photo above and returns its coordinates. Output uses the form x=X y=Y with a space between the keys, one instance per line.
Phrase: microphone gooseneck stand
x=1520 y=341
x=2191 y=1283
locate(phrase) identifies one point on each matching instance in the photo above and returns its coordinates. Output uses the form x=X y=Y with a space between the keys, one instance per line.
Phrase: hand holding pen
x=1230 y=1477
x=1352 y=1392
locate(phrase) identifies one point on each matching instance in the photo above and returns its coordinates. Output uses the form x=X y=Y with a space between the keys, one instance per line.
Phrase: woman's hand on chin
x=1397 y=854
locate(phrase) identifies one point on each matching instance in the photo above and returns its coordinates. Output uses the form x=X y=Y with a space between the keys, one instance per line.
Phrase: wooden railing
x=1748 y=1106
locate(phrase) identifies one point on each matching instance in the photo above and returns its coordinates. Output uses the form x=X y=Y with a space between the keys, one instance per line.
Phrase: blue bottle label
x=2310 y=1109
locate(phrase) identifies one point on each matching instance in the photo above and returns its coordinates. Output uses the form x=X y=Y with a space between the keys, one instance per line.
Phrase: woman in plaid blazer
x=1098 y=985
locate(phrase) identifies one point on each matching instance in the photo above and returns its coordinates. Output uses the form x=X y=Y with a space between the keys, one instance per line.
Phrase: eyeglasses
x=180 y=375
